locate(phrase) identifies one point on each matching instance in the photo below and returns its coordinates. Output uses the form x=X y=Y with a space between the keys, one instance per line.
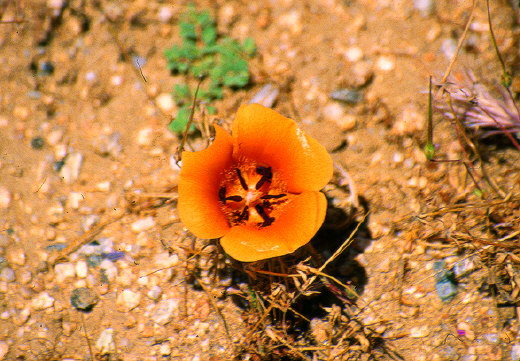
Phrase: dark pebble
x=58 y=165
x=83 y=298
x=37 y=143
x=46 y=68
x=349 y=96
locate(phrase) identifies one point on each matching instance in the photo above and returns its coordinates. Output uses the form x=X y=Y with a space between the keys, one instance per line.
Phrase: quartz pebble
x=155 y=292
x=109 y=269
x=165 y=102
x=425 y=7
x=64 y=271
x=42 y=301
x=165 y=311
x=515 y=352
x=419 y=331
x=81 y=269
x=127 y=300
x=17 y=256
x=4 y=348
x=5 y=197
x=70 y=170
x=105 y=343
x=142 y=224
x=7 y=274
x=145 y=136
x=109 y=145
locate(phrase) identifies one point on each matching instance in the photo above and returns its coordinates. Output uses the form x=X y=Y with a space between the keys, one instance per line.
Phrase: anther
x=222 y=195
x=267 y=220
x=244 y=216
x=234 y=198
x=242 y=180
x=267 y=176
x=273 y=196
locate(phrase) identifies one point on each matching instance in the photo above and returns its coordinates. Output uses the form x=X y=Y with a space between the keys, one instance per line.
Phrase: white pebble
x=81 y=269
x=109 y=268
x=165 y=349
x=165 y=260
x=127 y=300
x=142 y=224
x=165 y=311
x=55 y=137
x=155 y=292
x=5 y=197
x=116 y=80
x=42 y=301
x=70 y=170
x=398 y=157
x=419 y=331
x=64 y=271
x=17 y=256
x=105 y=343
x=145 y=137
x=165 y=102
x=385 y=63
x=165 y=14
x=4 y=348
x=73 y=200
x=354 y=54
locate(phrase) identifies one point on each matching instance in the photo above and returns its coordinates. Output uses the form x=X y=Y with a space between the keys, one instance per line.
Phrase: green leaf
x=209 y=35
x=178 y=125
x=181 y=93
x=187 y=31
x=249 y=47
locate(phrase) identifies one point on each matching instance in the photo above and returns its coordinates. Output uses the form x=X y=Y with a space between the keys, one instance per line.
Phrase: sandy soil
x=94 y=103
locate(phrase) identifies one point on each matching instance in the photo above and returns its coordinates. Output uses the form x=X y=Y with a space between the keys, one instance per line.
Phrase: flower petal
x=201 y=173
x=293 y=228
x=263 y=135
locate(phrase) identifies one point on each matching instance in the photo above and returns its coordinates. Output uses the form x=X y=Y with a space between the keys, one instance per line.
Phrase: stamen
x=222 y=195
x=242 y=180
x=267 y=220
x=273 y=196
x=244 y=216
x=267 y=176
x=234 y=198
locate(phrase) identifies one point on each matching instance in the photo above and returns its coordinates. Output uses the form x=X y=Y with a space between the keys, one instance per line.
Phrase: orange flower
x=258 y=189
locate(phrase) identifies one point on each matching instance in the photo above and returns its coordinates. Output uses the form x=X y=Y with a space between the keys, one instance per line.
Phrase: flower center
x=251 y=194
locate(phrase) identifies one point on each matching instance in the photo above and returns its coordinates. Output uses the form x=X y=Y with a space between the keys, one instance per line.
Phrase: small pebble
x=467 y=330
x=425 y=7
x=385 y=63
x=449 y=48
x=165 y=102
x=354 y=54
x=109 y=145
x=73 y=199
x=347 y=95
x=138 y=61
x=70 y=170
x=419 y=331
x=55 y=137
x=109 y=269
x=81 y=268
x=154 y=293
x=165 y=349
x=22 y=113
x=145 y=137
x=7 y=274
x=515 y=352
x=42 y=301
x=91 y=77
x=64 y=271
x=142 y=224
x=165 y=14
x=45 y=68
x=165 y=311
x=116 y=80
x=266 y=96
x=88 y=222
x=83 y=298
x=127 y=300
x=4 y=349
x=5 y=197
x=17 y=256
x=37 y=143
x=105 y=343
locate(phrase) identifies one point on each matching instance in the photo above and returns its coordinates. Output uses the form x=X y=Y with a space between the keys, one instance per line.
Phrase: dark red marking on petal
x=267 y=176
x=273 y=196
x=242 y=180
x=267 y=220
x=222 y=194
x=234 y=198
x=244 y=216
